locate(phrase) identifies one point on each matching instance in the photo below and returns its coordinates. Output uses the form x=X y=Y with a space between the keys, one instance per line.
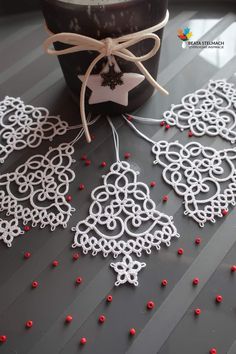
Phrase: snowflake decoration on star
x=123 y=220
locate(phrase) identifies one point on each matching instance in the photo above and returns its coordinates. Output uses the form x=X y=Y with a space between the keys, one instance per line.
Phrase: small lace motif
x=36 y=192
x=123 y=220
x=9 y=230
x=203 y=176
x=210 y=111
x=24 y=125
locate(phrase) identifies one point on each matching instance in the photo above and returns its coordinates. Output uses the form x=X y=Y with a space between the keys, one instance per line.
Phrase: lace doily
x=9 y=230
x=203 y=176
x=36 y=192
x=24 y=125
x=210 y=111
x=123 y=220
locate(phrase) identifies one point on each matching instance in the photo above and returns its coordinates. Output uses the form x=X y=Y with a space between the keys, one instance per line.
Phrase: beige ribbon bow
x=107 y=47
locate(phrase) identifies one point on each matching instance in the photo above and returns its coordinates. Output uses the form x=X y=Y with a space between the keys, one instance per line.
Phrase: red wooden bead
x=152 y=184
x=69 y=318
x=164 y=282
x=26 y=228
x=180 y=251
x=129 y=117
x=27 y=255
x=132 y=331
x=83 y=340
x=75 y=256
x=102 y=319
x=127 y=155
x=87 y=162
x=81 y=186
x=233 y=268
x=165 y=198
x=29 y=324
x=109 y=298
x=103 y=164
x=197 y=312
x=3 y=338
x=167 y=126
x=79 y=280
x=150 y=305
x=190 y=134
x=195 y=281
x=162 y=123
x=84 y=157
x=224 y=212
x=198 y=241
x=55 y=263
x=219 y=298
x=92 y=136
x=34 y=284
x=213 y=351
x=69 y=198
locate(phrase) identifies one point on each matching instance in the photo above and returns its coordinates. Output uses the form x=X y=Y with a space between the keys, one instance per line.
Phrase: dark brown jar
x=101 y=19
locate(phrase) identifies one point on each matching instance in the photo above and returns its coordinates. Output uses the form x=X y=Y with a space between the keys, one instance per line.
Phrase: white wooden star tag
x=118 y=95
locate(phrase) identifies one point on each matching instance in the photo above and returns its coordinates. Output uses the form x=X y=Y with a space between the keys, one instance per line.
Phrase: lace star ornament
x=203 y=176
x=36 y=191
x=123 y=221
x=210 y=111
x=25 y=126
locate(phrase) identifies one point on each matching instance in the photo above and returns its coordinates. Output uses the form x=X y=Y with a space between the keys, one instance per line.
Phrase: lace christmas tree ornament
x=210 y=111
x=123 y=221
x=25 y=126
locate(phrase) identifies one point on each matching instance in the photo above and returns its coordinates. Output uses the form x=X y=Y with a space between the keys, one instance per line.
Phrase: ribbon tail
x=82 y=96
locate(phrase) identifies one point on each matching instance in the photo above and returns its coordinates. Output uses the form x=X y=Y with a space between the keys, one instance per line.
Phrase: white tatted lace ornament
x=203 y=176
x=25 y=125
x=210 y=111
x=9 y=230
x=123 y=220
x=36 y=191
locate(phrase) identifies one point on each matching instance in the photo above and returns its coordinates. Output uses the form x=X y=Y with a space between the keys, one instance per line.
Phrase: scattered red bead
x=195 y=281
x=109 y=298
x=233 y=268
x=165 y=198
x=150 y=305
x=87 y=162
x=167 y=126
x=164 y=282
x=197 y=312
x=29 y=324
x=219 y=298
x=79 y=280
x=162 y=123
x=69 y=318
x=224 y=212
x=3 y=338
x=83 y=340
x=198 y=241
x=81 y=186
x=55 y=263
x=152 y=184
x=102 y=319
x=26 y=228
x=103 y=164
x=69 y=198
x=190 y=134
x=213 y=351
x=27 y=255
x=132 y=331
x=75 y=256
x=127 y=155
x=34 y=284
x=129 y=117
x=180 y=251
x=92 y=137
x=84 y=157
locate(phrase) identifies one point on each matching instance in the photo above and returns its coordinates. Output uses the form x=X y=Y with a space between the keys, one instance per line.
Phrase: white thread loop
x=107 y=47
